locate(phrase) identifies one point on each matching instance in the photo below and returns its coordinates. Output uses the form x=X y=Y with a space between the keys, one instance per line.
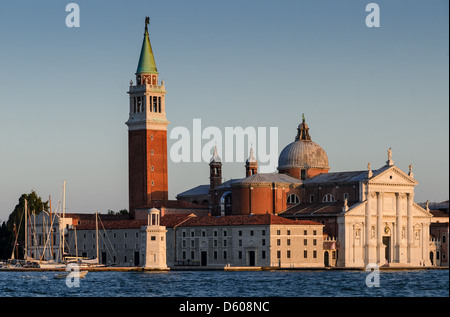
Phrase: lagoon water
x=419 y=283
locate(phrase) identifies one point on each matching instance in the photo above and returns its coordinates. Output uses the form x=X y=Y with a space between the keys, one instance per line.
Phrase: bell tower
x=147 y=133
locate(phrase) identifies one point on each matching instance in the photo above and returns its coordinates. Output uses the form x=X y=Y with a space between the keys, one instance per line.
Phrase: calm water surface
x=422 y=283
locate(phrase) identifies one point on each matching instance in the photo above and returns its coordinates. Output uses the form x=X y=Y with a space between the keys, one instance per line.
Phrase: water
x=421 y=283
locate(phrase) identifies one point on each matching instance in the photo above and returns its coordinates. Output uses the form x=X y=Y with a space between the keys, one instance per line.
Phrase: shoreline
x=225 y=269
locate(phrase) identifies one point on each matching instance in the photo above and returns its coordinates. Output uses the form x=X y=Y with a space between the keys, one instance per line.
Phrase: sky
x=64 y=101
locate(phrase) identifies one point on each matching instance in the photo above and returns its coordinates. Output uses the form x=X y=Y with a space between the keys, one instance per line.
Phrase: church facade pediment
x=392 y=176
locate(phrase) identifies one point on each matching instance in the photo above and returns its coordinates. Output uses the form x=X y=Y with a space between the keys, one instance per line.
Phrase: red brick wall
x=258 y=201
x=140 y=162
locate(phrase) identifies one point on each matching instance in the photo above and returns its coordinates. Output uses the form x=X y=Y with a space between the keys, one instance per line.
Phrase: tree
x=16 y=222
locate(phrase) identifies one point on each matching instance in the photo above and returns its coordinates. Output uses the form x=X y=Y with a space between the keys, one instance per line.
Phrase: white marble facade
x=387 y=226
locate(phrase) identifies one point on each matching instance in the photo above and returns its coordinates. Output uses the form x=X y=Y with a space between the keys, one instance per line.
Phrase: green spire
x=146 y=60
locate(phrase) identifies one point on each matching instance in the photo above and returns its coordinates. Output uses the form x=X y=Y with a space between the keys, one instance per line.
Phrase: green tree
x=16 y=222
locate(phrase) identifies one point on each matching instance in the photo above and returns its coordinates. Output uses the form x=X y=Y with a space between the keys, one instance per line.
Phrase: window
x=225 y=255
x=278 y=232
x=240 y=233
x=184 y=255
x=328 y=198
x=288 y=241
x=278 y=242
x=192 y=233
x=311 y=198
x=240 y=243
x=305 y=232
x=225 y=243
x=263 y=242
x=224 y=233
x=302 y=174
x=315 y=254
x=443 y=239
x=153 y=238
x=315 y=232
x=288 y=254
x=305 y=242
x=203 y=233
x=215 y=233
x=240 y=254
x=293 y=199
x=215 y=255
x=215 y=242
x=251 y=232
x=155 y=103
x=314 y=241
x=278 y=254
x=192 y=255
x=305 y=254
x=289 y=232
x=263 y=232
x=263 y=254
x=345 y=196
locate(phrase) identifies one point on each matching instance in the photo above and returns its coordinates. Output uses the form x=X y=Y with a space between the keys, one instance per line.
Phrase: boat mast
x=26 y=232
x=63 y=215
x=96 y=232
x=51 y=222
x=76 y=243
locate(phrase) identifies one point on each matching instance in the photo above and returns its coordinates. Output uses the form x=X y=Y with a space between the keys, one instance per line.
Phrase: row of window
x=305 y=254
x=240 y=253
x=294 y=199
x=125 y=235
x=240 y=233
x=263 y=242
x=139 y=104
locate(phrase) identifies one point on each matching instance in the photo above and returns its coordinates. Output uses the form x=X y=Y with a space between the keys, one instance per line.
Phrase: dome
x=303 y=153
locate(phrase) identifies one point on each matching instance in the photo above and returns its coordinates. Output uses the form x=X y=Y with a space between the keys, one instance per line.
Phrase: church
x=302 y=215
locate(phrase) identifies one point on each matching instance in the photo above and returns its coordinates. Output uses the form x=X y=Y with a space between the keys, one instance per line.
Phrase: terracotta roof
x=112 y=224
x=167 y=221
x=171 y=221
x=244 y=220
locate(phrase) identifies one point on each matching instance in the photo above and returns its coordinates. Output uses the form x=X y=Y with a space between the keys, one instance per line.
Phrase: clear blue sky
x=63 y=100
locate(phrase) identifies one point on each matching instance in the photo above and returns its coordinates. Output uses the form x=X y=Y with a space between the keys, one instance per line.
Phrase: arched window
x=293 y=199
x=328 y=198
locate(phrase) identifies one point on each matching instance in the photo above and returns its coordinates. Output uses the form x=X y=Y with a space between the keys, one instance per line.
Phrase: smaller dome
x=154 y=211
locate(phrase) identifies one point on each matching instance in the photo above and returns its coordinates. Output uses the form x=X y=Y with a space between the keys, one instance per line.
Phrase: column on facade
x=368 y=232
x=398 y=233
x=380 y=256
x=409 y=229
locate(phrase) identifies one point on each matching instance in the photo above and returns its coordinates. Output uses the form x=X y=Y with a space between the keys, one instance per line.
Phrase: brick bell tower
x=147 y=134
